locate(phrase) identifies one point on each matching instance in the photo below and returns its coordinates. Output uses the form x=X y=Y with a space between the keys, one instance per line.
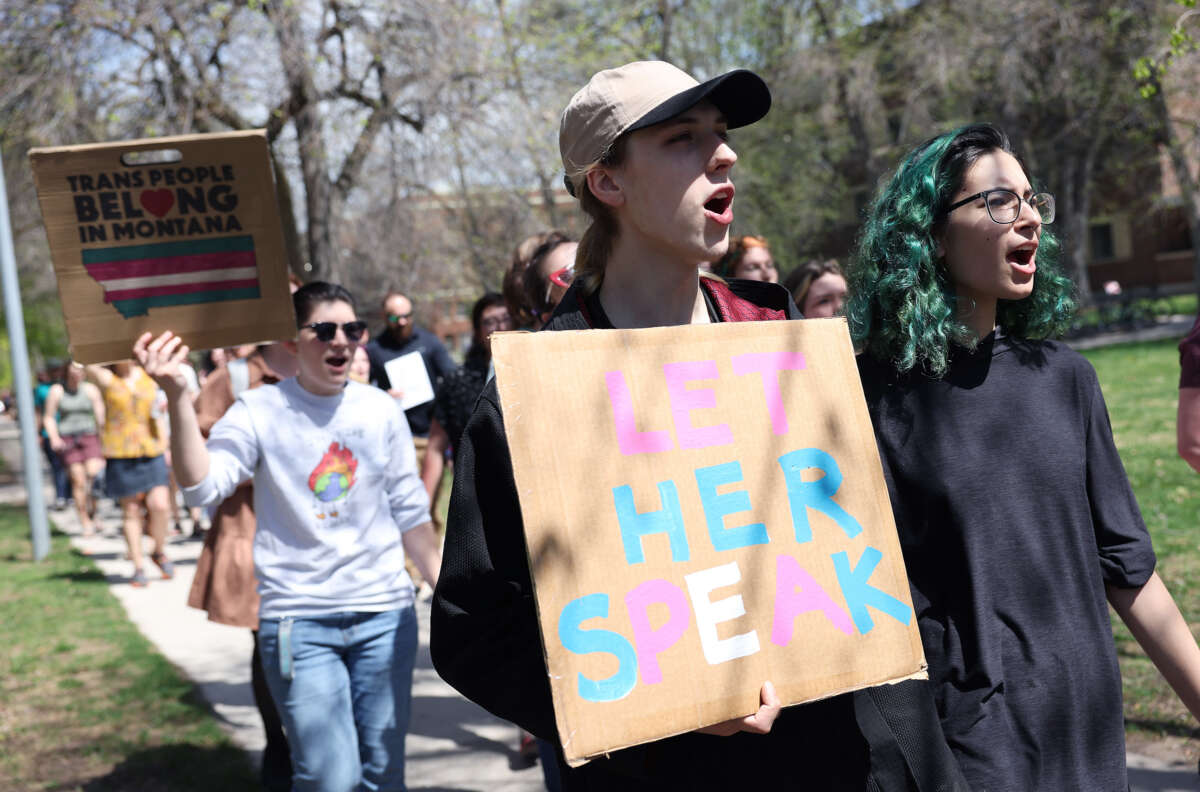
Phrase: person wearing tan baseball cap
x=645 y=149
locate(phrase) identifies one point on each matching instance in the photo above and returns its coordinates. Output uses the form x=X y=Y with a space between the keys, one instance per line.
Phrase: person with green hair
x=1015 y=515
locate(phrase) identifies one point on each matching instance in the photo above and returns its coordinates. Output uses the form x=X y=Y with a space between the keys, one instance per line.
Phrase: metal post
x=22 y=382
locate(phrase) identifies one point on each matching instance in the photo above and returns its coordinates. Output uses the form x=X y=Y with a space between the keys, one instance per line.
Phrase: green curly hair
x=902 y=304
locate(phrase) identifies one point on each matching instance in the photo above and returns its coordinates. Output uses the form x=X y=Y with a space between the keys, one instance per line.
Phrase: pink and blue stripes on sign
x=137 y=278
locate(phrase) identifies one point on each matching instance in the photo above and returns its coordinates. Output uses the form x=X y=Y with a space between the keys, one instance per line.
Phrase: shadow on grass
x=182 y=767
x=1163 y=727
x=82 y=576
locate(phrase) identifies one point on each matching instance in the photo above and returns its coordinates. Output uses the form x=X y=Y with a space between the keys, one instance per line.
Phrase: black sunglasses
x=325 y=331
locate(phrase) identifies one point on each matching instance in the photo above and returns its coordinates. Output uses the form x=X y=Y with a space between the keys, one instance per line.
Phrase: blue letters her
x=668 y=520
x=805 y=495
x=717 y=507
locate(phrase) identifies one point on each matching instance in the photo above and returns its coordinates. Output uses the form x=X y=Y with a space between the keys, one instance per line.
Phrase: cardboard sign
x=408 y=374
x=704 y=510
x=178 y=233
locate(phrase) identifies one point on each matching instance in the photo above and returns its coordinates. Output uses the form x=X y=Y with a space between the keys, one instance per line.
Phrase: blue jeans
x=58 y=470
x=343 y=686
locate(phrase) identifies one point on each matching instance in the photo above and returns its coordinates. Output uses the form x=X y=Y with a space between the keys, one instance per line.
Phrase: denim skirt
x=133 y=476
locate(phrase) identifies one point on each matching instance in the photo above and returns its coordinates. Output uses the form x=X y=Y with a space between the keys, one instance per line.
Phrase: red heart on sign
x=157 y=202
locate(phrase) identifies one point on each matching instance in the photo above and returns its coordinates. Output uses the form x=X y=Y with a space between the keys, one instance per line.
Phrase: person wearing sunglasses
x=335 y=485
x=1017 y=522
x=547 y=276
x=531 y=298
x=401 y=337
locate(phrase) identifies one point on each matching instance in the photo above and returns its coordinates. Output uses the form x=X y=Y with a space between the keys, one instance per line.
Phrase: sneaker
x=139 y=578
x=164 y=565
x=527 y=749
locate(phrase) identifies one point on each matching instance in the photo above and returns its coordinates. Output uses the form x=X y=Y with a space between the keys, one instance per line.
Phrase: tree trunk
x=860 y=165
x=1075 y=202
x=546 y=181
x=310 y=137
x=287 y=219
x=546 y=185
x=664 y=41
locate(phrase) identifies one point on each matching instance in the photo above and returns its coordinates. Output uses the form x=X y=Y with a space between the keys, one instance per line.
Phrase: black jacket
x=485 y=642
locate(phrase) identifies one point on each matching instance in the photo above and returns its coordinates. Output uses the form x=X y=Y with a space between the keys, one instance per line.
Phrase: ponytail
x=596 y=244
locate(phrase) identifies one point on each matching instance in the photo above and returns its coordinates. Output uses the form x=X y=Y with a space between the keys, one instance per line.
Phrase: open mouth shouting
x=719 y=206
x=337 y=363
x=1022 y=258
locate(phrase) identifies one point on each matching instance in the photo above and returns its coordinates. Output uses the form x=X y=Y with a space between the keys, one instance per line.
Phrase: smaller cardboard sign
x=186 y=239
x=704 y=510
x=407 y=373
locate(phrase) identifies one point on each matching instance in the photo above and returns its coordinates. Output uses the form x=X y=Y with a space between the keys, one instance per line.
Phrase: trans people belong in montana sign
x=178 y=233
x=704 y=510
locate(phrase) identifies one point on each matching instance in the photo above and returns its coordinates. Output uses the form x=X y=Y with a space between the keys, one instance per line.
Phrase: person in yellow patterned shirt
x=135 y=471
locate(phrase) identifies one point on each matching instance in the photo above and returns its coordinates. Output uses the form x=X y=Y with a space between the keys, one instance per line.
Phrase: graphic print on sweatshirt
x=332 y=479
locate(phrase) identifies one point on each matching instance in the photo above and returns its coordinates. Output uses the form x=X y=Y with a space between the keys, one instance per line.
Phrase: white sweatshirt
x=335 y=485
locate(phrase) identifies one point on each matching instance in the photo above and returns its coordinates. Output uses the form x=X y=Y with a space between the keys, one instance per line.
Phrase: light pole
x=22 y=381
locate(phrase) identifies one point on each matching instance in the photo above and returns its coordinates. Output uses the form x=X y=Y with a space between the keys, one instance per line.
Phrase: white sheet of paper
x=407 y=373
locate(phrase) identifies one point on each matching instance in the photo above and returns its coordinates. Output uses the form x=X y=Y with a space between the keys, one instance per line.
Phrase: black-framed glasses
x=325 y=331
x=395 y=318
x=1004 y=206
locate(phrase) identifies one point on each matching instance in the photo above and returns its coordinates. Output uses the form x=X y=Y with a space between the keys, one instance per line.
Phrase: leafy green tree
x=1167 y=80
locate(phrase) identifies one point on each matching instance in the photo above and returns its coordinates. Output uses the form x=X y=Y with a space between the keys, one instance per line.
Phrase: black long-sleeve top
x=485 y=640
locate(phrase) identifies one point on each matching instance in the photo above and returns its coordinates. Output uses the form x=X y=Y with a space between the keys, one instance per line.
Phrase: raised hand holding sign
x=162 y=358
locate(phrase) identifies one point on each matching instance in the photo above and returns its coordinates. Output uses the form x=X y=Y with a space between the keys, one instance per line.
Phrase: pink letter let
x=769 y=364
x=629 y=439
x=683 y=401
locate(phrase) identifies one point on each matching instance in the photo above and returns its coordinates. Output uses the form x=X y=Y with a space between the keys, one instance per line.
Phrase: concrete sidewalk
x=1168 y=327
x=453 y=745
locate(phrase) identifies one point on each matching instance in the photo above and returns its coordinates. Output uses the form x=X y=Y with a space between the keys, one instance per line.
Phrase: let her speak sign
x=704 y=510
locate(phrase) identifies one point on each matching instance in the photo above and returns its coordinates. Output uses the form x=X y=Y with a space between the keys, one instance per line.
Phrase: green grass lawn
x=1140 y=384
x=85 y=701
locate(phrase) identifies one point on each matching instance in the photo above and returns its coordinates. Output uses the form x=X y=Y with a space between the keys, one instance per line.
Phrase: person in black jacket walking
x=645 y=150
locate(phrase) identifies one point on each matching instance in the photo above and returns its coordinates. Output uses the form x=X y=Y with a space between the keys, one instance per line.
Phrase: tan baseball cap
x=641 y=94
